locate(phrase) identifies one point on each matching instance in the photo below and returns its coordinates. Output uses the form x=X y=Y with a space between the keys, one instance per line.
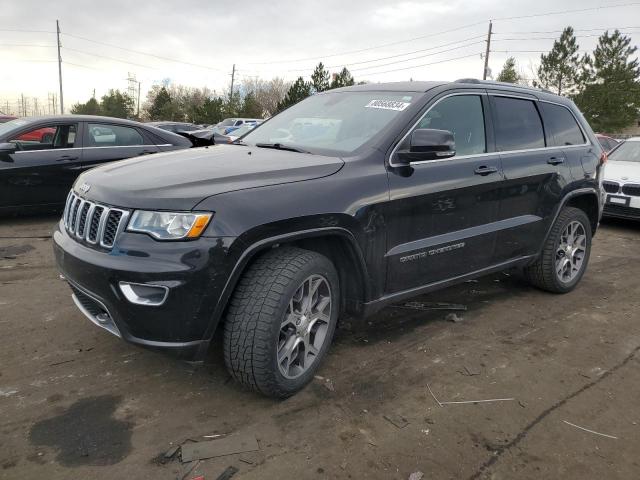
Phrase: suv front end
x=155 y=293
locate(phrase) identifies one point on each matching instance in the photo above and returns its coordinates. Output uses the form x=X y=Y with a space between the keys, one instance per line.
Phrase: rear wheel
x=565 y=254
x=281 y=321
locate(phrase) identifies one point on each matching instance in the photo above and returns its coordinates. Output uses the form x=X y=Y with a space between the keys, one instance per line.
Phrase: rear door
x=43 y=168
x=441 y=214
x=106 y=142
x=536 y=172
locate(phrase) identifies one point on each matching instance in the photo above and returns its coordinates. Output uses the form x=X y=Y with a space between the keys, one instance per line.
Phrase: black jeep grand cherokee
x=346 y=202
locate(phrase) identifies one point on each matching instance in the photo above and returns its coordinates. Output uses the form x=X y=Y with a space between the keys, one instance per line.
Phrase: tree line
x=253 y=98
x=605 y=85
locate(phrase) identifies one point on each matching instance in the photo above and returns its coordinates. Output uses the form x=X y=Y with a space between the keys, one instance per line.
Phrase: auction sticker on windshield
x=387 y=105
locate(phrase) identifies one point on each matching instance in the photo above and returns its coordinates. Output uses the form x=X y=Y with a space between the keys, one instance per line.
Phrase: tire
x=544 y=273
x=255 y=337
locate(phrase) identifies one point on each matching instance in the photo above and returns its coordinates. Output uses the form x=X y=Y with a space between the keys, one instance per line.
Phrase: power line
x=137 y=52
x=26 y=45
x=426 y=64
x=562 y=12
x=397 y=55
x=370 y=48
x=560 y=31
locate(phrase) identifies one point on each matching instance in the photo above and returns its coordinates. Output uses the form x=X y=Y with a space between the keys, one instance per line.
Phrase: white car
x=622 y=181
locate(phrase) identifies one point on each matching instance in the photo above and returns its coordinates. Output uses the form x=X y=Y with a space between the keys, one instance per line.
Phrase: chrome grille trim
x=79 y=225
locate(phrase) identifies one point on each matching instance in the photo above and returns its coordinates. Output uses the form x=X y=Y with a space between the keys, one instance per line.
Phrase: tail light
x=603 y=158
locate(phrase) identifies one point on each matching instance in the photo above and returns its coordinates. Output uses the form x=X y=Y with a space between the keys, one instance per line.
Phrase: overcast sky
x=283 y=38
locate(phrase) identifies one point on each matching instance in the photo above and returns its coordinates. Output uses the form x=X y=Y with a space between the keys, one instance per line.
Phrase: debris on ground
x=216 y=448
x=326 y=382
x=452 y=317
x=397 y=420
x=460 y=402
x=590 y=431
x=416 y=476
x=427 y=306
x=171 y=452
x=228 y=473
x=469 y=371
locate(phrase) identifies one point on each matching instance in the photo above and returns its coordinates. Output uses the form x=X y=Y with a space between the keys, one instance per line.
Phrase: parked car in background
x=40 y=157
x=175 y=127
x=622 y=181
x=397 y=190
x=235 y=134
x=228 y=125
x=213 y=136
x=6 y=118
x=607 y=143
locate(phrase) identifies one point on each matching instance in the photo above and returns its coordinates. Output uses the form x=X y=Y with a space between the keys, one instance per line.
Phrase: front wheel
x=565 y=254
x=281 y=321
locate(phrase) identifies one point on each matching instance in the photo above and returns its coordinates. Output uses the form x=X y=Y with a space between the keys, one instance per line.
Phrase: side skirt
x=370 y=308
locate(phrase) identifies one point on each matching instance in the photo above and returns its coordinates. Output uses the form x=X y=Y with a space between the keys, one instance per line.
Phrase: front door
x=43 y=168
x=441 y=215
x=105 y=142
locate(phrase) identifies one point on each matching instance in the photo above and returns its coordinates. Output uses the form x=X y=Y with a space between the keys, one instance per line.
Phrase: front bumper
x=628 y=209
x=193 y=272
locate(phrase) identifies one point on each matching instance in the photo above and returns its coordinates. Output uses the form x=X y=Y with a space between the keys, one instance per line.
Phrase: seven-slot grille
x=610 y=187
x=91 y=222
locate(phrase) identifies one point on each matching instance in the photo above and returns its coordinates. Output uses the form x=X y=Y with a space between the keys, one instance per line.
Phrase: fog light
x=143 y=294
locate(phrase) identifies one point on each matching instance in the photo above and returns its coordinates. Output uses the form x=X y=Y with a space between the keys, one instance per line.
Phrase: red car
x=44 y=135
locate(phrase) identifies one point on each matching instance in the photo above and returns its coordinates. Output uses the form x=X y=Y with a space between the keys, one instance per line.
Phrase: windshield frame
x=389 y=132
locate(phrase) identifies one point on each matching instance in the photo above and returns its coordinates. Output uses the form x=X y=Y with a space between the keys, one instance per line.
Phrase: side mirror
x=6 y=149
x=428 y=144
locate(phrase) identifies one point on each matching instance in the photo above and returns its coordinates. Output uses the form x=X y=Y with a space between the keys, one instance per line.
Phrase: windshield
x=626 y=152
x=340 y=121
x=227 y=122
x=8 y=126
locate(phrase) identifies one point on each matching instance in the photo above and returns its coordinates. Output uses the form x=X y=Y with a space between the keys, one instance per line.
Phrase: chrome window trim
x=487 y=154
x=91 y=148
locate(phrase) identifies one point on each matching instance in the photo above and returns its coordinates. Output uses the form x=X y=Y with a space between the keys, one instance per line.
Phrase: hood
x=181 y=179
x=622 y=172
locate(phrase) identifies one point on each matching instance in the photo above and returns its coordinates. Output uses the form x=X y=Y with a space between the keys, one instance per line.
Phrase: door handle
x=555 y=160
x=66 y=157
x=485 y=170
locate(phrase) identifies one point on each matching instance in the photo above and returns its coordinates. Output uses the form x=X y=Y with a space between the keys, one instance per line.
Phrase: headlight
x=169 y=225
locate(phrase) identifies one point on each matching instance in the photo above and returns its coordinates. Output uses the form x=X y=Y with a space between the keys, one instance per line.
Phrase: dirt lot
x=76 y=402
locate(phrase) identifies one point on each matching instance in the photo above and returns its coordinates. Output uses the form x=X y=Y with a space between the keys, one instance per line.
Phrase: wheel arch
x=587 y=200
x=336 y=243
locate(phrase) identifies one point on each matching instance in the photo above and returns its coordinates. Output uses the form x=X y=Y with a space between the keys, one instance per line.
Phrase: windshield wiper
x=281 y=146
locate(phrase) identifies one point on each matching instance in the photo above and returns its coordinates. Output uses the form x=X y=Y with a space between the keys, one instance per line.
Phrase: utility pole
x=139 y=84
x=60 y=68
x=233 y=76
x=486 y=54
x=24 y=106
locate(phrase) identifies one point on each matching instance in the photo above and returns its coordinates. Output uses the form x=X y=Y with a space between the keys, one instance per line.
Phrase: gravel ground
x=76 y=402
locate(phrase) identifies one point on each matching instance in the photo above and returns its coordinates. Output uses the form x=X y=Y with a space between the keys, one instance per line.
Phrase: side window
x=562 y=125
x=47 y=137
x=518 y=124
x=238 y=123
x=463 y=116
x=103 y=135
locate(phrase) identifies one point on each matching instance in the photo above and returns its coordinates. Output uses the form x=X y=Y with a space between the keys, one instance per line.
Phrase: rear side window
x=463 y=116
x=103 y=135
x=562 y=126
x=518 y=124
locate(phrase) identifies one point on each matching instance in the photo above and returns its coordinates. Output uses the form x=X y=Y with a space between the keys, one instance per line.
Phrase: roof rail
x=506 y=84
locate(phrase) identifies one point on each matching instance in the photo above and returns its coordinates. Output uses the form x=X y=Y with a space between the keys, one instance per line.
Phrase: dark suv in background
x=344 y=203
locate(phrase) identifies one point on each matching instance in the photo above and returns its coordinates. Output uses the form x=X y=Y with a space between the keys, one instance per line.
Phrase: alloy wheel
x=571 y=252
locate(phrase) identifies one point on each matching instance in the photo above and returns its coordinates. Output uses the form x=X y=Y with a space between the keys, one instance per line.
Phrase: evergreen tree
x=320 y=78
x=117 y=104
x=161 y=108
x=250 y=107
x=298 y=91
x=561 y=69
x=611 y=99
x=92 y=107
x=210 y=111
x=509 y=73
x=342 y=79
